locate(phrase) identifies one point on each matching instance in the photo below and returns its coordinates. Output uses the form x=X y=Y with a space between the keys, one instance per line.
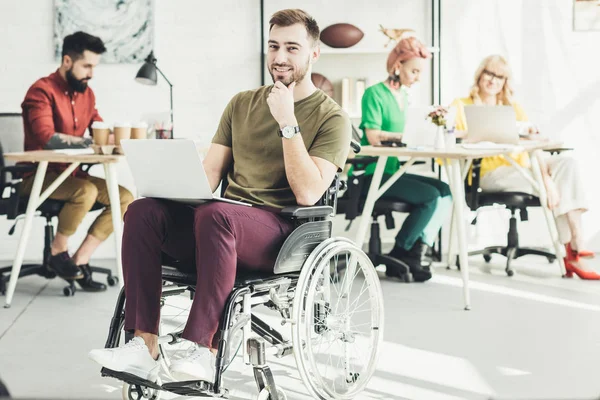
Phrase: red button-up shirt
x=50 y=107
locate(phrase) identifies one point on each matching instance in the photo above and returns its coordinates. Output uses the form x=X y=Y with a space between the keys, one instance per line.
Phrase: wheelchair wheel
x=265 y=395
x=339 y=321
x=138 y=392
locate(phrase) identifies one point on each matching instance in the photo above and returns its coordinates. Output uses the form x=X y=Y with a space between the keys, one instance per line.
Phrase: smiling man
x=277 y=146
x=57 y=111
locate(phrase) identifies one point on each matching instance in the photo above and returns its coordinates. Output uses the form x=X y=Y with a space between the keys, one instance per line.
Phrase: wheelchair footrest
x=182 y=388
x=194 y=388
x=129 y=378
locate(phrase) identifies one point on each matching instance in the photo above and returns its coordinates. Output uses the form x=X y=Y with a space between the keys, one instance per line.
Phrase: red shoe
x=582 y=253
x=570 y=265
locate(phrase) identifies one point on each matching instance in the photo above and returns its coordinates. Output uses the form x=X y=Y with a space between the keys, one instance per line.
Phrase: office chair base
x=42 y=270
x=512 y=253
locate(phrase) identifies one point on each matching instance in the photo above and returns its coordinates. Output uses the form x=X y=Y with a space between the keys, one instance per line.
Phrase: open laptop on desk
x=496 y=124
x=170 y=169
x=418 y=130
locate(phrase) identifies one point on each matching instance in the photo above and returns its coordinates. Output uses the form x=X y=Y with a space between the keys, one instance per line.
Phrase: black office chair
x=352 y=202
x=13 y=206
x=514 y=201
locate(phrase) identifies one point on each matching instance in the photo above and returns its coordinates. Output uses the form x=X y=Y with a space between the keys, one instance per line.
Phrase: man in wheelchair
x=276 y=146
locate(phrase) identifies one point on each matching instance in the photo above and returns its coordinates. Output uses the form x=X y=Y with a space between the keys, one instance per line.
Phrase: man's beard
x=78 y=85
x=297 y=76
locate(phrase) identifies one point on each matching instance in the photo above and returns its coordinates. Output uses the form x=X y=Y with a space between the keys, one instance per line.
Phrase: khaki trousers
x=80 y=195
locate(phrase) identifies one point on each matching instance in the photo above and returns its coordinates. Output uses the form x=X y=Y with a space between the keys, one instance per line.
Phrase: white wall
x=557 y=75
x=209 y=51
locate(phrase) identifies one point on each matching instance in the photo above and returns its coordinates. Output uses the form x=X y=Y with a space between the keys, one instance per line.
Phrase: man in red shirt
x=57 y=111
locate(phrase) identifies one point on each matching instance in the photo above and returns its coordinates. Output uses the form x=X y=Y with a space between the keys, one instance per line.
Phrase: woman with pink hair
x=384 y=107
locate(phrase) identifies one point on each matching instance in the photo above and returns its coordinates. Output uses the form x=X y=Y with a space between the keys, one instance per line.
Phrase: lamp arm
x=163 y=75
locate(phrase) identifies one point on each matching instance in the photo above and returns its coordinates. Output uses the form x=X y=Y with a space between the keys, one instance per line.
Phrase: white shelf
x=325 y=50
x=351 y=50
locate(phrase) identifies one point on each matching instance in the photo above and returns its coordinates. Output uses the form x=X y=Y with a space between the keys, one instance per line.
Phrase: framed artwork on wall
x=125 y=26
x=586 y=15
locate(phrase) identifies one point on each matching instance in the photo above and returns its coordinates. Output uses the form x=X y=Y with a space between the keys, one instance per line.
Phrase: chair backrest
x=11 y=135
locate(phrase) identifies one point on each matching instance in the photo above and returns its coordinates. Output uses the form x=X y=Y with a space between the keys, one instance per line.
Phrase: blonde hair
x=498 y=64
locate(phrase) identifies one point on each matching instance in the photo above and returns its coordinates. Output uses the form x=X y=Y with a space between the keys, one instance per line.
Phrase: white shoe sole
x=184 y=376
x=150 y=375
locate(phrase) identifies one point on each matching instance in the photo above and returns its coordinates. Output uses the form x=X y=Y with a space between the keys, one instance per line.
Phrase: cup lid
x=99 y=125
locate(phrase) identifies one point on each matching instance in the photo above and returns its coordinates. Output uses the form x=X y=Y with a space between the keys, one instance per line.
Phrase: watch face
x=288 y=132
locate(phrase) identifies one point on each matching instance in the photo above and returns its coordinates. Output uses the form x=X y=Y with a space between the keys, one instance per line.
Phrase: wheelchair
x=324 y=288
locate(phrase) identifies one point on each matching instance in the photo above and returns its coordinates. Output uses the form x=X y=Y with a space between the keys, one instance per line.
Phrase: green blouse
x=380 y=111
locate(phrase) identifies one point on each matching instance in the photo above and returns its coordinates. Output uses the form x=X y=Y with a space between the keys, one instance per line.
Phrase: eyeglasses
x=490 y=75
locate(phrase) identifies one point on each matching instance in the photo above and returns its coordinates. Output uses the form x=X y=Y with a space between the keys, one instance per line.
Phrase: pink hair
x=406 y=49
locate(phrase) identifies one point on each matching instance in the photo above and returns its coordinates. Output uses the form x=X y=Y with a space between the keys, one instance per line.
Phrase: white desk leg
x=365 y=218
x=451 y=233
x=458 y=197
x=32 y=205
x=110 y=171
x=550 y=221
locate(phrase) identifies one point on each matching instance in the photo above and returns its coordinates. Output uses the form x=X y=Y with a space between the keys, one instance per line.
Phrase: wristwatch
x=289 y=132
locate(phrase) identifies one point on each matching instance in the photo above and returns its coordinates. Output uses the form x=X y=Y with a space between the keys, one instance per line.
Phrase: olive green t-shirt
x=258 y=172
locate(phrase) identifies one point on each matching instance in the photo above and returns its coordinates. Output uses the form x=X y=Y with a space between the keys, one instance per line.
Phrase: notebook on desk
x=170 y=169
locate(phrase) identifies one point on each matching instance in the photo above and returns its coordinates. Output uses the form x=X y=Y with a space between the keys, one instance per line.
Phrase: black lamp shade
x=147 y=74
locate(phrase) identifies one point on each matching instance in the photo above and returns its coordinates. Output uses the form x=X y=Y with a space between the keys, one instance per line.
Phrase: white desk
x=36 y=198
x=457 y=162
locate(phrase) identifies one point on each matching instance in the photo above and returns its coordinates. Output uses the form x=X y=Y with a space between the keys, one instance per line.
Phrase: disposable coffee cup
x=100 y=132
x=121 y=130
x=139 y=130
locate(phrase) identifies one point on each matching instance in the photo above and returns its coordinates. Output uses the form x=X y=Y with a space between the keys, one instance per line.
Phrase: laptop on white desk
x=170 y=169
x=418 y=130
x=496 y=124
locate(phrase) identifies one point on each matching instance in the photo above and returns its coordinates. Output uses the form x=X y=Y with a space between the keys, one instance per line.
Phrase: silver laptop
x=418 y=131
x=497 y=124
x=170 y=169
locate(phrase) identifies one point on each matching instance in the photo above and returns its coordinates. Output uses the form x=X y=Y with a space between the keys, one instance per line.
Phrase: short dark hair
x=75 y=44
x=295 y=16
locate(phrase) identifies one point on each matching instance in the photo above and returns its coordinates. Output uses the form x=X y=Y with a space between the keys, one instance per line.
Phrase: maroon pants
x=216 y=237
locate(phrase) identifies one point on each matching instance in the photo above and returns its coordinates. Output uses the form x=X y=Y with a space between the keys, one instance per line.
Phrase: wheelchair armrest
x=361 y=161
x=355 y=146
x=298 y=212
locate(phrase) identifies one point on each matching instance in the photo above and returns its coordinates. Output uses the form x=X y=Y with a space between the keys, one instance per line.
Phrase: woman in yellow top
x=566 y=191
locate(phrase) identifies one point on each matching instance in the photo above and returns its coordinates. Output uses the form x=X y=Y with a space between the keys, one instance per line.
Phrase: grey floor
x=532 y=336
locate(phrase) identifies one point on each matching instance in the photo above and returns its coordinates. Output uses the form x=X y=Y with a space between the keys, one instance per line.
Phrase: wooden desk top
x=57 y=157
x=457 y=152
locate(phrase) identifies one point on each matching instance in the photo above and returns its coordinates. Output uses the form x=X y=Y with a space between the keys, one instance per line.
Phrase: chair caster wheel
x=112 y=280
x=265 y=395
x=510 y=272
x=551 y=259
x=487 y=258
x=69 y=291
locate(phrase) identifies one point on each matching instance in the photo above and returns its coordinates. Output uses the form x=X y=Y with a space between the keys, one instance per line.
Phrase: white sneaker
x=133 y=357
x=197 y=365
